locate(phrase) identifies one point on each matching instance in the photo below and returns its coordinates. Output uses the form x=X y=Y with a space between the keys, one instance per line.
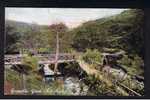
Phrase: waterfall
x=47 y=70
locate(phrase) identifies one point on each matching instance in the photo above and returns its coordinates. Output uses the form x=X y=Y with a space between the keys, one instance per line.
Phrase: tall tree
x=57 y=29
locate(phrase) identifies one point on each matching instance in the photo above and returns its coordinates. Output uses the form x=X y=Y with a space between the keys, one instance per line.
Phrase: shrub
x=12 y=77
x=97 y=87
x=132 y=64
x=43 y=50
x=91 y=56
x=30 y=61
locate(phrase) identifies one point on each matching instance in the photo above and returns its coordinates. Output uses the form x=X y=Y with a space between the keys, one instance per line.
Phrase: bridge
x=16 y=59
x=47 y=59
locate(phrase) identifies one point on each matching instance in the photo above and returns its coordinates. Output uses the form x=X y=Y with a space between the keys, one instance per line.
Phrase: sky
x=72 y=17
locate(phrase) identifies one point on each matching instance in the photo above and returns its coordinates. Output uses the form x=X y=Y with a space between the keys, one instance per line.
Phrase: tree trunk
x=57 y=54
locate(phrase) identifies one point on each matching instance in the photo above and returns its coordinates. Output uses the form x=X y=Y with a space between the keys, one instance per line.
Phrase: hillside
x=122 y=31
x=23 y=27
x=16 y=31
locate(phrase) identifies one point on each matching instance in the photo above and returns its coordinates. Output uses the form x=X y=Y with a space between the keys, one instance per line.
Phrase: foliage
x=109 y=32
x=97 y=87
x=43 y=50
x=64 y=36
x=91 y=56
x=112 y=32
x=133 y=64
x=12 y=38
x=12 y=77
x=31 y=62
x=33 y=84
x=134 y=85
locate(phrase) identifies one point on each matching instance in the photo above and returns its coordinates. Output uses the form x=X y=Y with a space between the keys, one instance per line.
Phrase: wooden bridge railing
x=43 y=57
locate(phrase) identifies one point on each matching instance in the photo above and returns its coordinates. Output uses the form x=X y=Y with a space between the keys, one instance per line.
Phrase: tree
x=11 y=37
x=57 y=29
x=35 y=39
x=122 y=31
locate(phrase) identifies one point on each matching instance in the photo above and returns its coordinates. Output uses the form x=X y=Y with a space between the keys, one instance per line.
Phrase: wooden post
x=23 y=81
x=20 y=81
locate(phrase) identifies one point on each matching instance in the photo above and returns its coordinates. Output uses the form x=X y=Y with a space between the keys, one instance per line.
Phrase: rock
x=73 y=85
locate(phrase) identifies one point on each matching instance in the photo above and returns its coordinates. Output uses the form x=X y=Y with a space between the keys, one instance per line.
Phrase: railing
x=44 y=58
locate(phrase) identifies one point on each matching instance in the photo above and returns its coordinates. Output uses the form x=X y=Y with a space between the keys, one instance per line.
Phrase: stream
x=75 y=86
x=72 y=79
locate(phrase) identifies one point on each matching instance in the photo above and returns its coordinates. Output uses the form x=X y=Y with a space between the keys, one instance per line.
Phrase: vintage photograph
x=74 y=51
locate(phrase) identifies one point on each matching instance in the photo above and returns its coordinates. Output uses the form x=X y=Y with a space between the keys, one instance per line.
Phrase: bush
x=137 y=65
x=12 y=77
x=98 y=88
x=30 y=61
x=132 y=64
x=91 y=56
x=43 y=50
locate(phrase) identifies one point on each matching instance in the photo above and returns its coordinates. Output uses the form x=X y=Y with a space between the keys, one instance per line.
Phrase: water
x=75 y=86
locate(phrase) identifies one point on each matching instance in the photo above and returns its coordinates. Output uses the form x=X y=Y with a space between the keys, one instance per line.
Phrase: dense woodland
x=122 y=32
